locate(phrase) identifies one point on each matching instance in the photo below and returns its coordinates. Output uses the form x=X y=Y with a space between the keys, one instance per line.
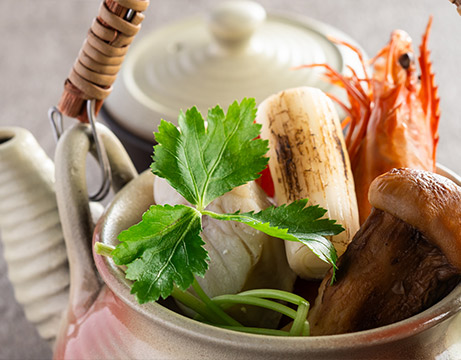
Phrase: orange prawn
x=393 y=116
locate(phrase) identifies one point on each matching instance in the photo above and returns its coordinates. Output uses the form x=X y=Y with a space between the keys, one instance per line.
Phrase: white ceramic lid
x=236 y=51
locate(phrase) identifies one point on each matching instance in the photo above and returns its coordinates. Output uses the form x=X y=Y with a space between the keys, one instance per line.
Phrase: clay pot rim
x=113 y=276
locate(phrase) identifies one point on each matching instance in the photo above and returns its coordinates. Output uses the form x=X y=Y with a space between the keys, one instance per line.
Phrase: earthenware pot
x=99 y=317
x=116 y=326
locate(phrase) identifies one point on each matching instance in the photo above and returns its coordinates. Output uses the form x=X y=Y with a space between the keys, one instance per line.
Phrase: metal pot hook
x=57 y=124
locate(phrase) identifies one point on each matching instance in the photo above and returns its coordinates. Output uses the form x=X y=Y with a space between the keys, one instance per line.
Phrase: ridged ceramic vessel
x=33 y=241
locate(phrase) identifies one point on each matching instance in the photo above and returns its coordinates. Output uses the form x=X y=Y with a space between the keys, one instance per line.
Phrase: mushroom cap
x=429 y=202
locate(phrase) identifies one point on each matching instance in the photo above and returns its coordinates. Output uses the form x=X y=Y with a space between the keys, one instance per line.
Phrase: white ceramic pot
x=36 y=242
x=237 y=50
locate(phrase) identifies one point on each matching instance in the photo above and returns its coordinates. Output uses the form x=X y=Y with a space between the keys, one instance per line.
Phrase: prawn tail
x=428 y=92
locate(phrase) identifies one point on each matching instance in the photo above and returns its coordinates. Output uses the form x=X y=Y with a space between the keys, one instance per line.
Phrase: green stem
x=225 y=318
x=306 y=329
x=277 y=295
x=194 y=304
x=223 y=217
x=228 y=300
x=298 y=323
x=213 y=214
x=103 y=249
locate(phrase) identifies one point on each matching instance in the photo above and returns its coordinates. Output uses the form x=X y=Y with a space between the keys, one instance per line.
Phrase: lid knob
x=232 y=23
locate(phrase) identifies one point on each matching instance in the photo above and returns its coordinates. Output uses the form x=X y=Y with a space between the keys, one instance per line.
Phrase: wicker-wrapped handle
x=101 y=55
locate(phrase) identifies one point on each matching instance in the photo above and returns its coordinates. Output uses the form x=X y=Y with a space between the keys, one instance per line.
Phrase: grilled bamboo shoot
x=308 y=159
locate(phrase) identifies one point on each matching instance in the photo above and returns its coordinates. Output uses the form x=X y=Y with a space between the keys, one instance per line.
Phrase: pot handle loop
x=77 y=214
x=101 y=56
x=57 y=125
x=101 y=154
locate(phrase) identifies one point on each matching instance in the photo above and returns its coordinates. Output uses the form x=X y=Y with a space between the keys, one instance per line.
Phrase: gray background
x=40 y=40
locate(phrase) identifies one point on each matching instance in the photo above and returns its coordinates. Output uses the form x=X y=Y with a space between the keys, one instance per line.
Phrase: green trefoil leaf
x=294 y=222
x=204 y=162
x=164 y=249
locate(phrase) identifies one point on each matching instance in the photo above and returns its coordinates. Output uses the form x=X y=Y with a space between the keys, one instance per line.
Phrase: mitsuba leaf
x=294 y=222
x=164 y=249
x=204 y=162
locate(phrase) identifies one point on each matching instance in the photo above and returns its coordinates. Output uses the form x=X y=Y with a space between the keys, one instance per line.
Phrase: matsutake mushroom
x=405 y=257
